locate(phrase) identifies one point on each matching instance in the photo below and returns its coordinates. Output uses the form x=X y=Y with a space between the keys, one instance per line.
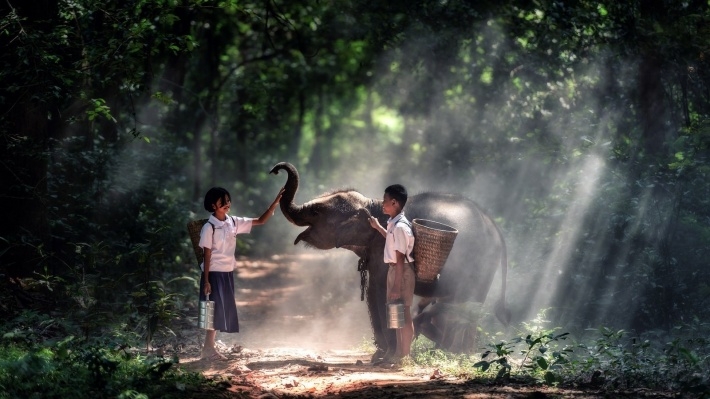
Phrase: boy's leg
x=393 y=345
x=398 y=353
x=388 y=339
x=406 y=333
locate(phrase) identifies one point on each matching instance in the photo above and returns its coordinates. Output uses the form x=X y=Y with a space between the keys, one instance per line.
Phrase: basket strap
x=203 y=252
x=405 y=221
x=213 y=229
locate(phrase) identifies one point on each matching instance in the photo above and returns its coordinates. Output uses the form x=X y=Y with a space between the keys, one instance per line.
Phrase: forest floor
x=305 y=333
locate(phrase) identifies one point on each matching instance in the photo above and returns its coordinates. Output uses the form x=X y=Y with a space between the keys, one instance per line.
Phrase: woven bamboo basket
x=194 y=227
x=432 y=245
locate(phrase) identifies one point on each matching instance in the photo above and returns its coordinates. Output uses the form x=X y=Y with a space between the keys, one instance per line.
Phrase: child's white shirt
x=224 y=244
x=399 y=239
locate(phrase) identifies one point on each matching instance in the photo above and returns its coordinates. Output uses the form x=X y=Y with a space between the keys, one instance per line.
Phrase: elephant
x=448 y=309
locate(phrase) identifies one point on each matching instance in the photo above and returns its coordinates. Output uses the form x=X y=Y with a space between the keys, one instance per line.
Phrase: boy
x=399 y=242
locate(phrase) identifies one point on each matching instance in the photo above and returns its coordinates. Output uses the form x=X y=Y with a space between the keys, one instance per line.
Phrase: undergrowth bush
x=69 y=369
x=47 y=357
x=604 y=358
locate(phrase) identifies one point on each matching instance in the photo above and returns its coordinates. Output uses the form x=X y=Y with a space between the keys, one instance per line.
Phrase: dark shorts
x=225 y=305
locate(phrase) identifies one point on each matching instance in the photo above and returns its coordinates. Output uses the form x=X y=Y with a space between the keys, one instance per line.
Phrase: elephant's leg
x=424 y=302
x=419 y=317
x=425 y=322
x=385 y=338
x=375 y=321
x=460 y=326
x=471 y=338
x=468 y=338
x=461 y=337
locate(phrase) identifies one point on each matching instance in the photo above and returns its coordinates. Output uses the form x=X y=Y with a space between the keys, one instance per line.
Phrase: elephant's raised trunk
x=288 y=207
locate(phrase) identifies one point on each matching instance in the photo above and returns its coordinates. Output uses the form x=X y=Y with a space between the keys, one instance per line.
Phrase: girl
x=218 y=239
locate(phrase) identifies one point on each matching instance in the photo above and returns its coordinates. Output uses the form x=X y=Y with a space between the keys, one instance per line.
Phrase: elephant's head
x=333 y=220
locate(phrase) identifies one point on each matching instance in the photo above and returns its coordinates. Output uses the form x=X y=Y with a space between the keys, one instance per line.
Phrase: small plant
x=366 y=345
x=500 y=361
x=537 y=359
x=542 y=356
x=424 y=353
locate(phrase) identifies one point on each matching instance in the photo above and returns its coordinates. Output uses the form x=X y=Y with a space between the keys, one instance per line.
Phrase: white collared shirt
x=225 y=241
x=399 y=239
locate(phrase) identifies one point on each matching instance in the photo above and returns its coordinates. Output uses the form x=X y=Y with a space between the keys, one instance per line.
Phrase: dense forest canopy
x=582 y=127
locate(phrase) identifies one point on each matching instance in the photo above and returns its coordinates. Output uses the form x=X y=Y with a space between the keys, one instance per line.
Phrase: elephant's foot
x=378 y=355
x=460 y=338
x=381 y=356
x=452 y=327
x=428 y=330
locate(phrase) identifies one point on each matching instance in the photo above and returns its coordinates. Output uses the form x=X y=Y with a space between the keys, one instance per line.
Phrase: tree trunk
x=25 y=132
x=653 y=112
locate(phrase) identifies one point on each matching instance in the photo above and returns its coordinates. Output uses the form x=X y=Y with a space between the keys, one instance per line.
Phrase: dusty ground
x=305 y=334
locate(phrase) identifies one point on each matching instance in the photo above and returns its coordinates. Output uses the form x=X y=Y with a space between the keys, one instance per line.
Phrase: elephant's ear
x=360 y=251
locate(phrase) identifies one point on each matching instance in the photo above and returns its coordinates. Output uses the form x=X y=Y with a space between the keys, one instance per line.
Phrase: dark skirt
x=225 y=305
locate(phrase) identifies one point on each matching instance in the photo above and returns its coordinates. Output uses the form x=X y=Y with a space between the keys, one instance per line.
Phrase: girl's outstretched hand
x=269 y=212
x=276 y=200
x=279 y=195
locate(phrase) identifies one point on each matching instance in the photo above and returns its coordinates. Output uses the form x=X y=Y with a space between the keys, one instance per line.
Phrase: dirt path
x=305 y=334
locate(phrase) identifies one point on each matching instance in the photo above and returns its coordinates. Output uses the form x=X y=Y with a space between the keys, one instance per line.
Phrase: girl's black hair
x=215 y=194
x=398 y=193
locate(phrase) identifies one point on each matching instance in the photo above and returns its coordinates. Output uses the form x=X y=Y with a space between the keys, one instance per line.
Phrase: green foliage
x=603 y=358
x=99 y=109
x=425 y=354
x=153 y=310
x=542 y=356
x=614 y=360
x=608 y=363
x=71 y=369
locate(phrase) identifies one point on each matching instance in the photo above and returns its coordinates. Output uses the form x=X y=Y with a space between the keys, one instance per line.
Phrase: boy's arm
x=376 y=225
x=263 y=218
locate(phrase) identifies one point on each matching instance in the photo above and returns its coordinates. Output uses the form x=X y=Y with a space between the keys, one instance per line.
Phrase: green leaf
x=551 y=378
x=689 y=356
x=483 y=365
x=542 y=363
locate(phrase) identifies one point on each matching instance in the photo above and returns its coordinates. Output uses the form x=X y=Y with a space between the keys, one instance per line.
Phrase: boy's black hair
x=215 y=194
x=397 y=192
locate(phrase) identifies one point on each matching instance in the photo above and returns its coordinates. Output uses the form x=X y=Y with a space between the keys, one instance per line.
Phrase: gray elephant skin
x=447 y=310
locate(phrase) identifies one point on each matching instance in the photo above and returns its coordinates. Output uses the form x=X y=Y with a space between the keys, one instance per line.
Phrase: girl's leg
x=208 y=350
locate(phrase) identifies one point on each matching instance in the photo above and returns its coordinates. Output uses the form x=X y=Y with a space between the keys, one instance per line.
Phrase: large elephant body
x=448 y=309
